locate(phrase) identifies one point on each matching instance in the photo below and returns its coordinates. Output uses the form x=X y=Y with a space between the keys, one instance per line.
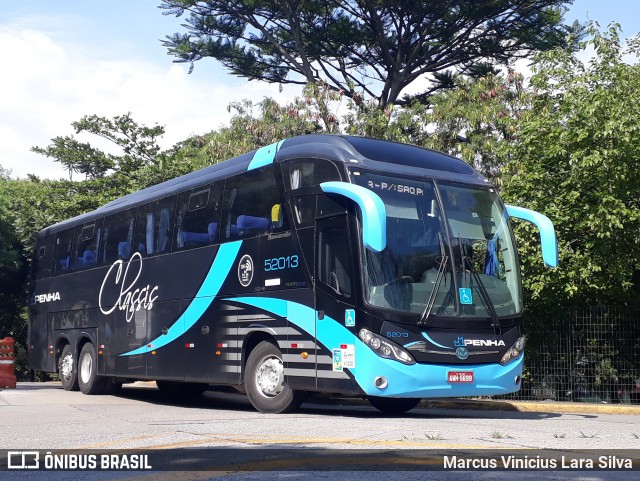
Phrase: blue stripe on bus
x=374 y=214
x=206 y=294
x=417 y=380
x=264 y=155
x=428 y=338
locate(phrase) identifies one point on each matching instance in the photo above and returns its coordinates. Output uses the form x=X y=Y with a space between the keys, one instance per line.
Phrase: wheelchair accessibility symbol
x=465 y=295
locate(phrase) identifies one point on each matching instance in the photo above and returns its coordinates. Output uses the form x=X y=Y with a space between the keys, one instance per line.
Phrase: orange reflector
x=218 y=353
x=304 y=355
x=153 y=352
x=100 y=353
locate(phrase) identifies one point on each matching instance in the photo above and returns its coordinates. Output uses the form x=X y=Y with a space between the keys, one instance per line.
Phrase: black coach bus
x=317 y=264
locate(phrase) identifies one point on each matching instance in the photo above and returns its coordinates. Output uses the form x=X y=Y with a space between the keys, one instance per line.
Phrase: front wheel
x=389 y=405
x=88 y=379
x=265 y=383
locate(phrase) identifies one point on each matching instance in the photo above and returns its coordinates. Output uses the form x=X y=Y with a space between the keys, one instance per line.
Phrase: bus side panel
x=128 y=336
x=301 y=351
x=212 y=350
x=168 y=361
x=39 y=341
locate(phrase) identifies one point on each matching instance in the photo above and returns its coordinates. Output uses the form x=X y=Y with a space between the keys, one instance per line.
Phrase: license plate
x=459 y=376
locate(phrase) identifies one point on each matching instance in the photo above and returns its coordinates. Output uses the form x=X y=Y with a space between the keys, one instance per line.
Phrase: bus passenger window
x=255 y=205
x=334 y=260
x=86 y=245
x=310 y=172
x=154 y=225
x=62 y=252
x=198 y=217
x=118 y=237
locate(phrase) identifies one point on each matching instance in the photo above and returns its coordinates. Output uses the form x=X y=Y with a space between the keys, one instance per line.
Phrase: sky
x=63 y=59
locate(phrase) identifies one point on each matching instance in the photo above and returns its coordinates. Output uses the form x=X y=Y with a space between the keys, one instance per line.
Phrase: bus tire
x=68 y=369
x=88 y=379
x=178 y=389
x=389 y=405
x=265 y=384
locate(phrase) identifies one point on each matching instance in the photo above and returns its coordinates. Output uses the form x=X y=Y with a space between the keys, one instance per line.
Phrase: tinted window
x=87 y=240
x=255 y=205
x=410 y=155
x=118 y=237
x=62 y=252
x=334 y=258
x=198 y=217
x=310 y=172
x=41 y=263
x=154 y=226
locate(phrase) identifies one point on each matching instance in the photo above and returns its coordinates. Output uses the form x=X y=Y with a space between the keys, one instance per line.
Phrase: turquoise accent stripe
x=374 y=214
x=264 y=155
x=417 y=380
x=548 y=240
x=206 y=294
x=426 y=336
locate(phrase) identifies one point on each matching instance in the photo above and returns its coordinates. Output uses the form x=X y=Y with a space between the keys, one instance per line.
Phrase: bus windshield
x=449 y=253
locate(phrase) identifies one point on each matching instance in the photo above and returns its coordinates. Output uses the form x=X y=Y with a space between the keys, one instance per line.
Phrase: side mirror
x=548 y=239
x=374 y=214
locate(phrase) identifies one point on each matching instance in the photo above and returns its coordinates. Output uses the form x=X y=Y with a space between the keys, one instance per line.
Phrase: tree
x=575 y=160
x=138 y=144
x=364 y=48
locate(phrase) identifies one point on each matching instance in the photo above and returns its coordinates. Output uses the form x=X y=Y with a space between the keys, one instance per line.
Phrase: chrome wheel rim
x=270 y=376
x=86 y=366
x=66 y=367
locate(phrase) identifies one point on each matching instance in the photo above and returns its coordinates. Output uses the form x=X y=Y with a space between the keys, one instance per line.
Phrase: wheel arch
x=251 y=340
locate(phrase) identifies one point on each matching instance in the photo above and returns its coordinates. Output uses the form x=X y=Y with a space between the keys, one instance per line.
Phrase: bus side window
x=62 y=252
x=118 y=241
x=41 y=264
x=334 y=266
x=87 y=240
x=304 y=210
x=254 y=202
x=198 y=217
x=154 y=226
x=310 y=172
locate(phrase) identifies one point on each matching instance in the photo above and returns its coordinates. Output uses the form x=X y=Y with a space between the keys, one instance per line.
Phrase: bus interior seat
x=212 y=231
x=64 y=263
x=124 y=250
x=88 y=259
x=248 y=224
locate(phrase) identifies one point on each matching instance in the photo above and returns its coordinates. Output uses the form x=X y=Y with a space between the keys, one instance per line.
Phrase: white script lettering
x=129 y=300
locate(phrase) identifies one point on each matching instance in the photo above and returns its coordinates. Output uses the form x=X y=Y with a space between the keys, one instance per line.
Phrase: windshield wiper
x=436 y=287
x=484 y=295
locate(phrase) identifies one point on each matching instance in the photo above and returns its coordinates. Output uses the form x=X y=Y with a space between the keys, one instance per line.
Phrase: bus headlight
x=513 y=352
x=384 y=348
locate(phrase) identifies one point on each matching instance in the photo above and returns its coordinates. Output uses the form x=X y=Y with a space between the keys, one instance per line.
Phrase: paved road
x=43 y=416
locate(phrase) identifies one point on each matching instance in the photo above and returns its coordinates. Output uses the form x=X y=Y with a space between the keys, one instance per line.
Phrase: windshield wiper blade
x=436 y=286
x=484 y=294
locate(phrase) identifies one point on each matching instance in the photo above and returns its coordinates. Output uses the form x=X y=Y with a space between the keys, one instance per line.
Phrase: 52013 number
x=279 y=263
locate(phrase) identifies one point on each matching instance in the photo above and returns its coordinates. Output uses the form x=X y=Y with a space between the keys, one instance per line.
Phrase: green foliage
x=575 y=160
x=361 y=47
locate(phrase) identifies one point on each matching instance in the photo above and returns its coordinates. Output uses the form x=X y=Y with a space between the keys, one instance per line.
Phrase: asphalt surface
x=44 y=416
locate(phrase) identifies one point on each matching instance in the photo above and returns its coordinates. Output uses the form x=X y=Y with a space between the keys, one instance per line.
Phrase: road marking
x=222 y=438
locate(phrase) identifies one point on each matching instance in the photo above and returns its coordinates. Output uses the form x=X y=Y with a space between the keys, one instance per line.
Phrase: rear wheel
x=389 y=405
x=68 y=369
x=265 y=383
x=88 y=379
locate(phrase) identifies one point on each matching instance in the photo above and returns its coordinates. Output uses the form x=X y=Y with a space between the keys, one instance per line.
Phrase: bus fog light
x=380 y=382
